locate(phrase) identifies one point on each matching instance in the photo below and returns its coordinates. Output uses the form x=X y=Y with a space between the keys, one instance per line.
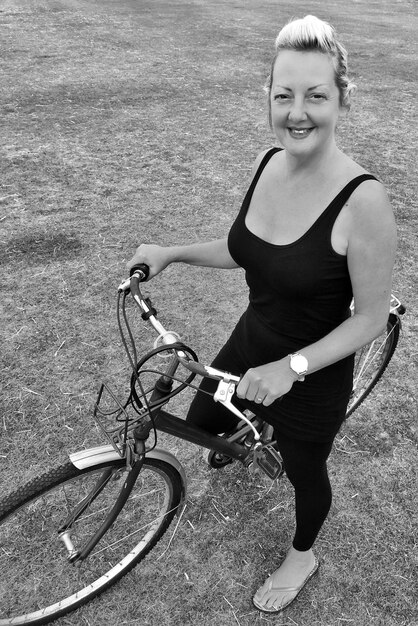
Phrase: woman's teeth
x=300 y=132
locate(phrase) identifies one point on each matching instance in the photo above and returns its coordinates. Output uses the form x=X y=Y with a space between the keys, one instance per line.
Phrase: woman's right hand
x=156 y=257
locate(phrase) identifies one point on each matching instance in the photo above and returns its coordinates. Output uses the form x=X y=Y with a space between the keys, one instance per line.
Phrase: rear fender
x=107 y=453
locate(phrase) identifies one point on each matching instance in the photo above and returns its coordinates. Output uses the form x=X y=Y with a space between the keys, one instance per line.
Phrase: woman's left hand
x=266 y=383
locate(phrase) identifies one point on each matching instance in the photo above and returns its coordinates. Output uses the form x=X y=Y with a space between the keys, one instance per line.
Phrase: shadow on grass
x=41 y=247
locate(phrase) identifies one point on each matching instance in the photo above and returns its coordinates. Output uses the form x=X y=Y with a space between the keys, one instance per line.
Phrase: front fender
x=107 y=453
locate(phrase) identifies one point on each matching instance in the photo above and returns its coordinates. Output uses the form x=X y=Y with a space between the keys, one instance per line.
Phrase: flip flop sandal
x=274 y=609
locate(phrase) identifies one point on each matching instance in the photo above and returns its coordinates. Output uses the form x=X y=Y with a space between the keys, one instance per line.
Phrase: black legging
x=306 y=468
x=304 y=462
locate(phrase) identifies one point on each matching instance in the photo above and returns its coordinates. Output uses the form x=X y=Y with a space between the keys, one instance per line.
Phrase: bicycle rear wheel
x=370 y=363
x=39 y=584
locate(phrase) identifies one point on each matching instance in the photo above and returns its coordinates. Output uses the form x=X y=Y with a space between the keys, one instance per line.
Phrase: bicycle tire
x=40 y=584
x=371 y=362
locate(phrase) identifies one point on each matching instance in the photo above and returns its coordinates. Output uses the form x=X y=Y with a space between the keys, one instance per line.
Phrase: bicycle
x=88 y=522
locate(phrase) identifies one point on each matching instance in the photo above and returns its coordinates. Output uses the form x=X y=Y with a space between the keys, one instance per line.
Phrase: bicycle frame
x=172 y=425
x=164 y=422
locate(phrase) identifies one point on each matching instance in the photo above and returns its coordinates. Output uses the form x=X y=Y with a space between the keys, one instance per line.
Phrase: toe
x=268 y=598
x=261 y=591
x=270 y=602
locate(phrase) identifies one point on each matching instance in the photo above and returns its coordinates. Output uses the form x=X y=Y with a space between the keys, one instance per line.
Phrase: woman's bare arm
x=208 y=254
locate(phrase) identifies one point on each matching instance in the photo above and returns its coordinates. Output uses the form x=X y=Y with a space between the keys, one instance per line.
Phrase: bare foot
x=282 y=587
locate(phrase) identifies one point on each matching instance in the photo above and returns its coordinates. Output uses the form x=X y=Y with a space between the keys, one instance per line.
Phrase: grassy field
x=125 y=121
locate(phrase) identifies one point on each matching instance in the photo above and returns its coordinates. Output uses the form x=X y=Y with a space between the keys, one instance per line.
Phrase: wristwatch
x=298 y=364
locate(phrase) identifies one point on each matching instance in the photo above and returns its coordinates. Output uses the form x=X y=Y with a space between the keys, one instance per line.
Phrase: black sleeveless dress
x=298 y=293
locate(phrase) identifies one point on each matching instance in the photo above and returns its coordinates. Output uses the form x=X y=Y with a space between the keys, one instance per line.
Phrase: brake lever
x=223 y=394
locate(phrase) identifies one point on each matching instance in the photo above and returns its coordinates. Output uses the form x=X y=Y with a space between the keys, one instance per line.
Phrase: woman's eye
x=317 y=96
x=281 y=96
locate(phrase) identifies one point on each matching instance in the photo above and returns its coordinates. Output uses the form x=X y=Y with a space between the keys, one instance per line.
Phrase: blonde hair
x=313 y=34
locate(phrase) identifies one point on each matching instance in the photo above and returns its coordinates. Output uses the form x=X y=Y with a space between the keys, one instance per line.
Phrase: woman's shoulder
x=368 y=210
x=370 y=190
x=260 y=156
x=369 y=205
x=369 y=193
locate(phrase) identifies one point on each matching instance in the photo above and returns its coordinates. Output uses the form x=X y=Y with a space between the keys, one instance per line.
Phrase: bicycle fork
x=64 y=532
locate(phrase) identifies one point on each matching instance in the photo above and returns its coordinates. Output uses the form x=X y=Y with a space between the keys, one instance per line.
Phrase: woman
x=314 y=230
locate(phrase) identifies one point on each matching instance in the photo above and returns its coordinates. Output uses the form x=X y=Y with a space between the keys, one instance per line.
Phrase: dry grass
x=129 y=121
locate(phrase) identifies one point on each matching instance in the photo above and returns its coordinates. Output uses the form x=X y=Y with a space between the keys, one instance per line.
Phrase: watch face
x=299 y=364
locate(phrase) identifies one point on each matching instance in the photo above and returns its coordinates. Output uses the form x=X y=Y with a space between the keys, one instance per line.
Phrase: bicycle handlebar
x=209 y=372
x=226 y=382
x=142 y=268
x=139 y=273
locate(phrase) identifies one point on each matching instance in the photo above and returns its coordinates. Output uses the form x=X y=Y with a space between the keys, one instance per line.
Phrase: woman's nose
x=297 y=111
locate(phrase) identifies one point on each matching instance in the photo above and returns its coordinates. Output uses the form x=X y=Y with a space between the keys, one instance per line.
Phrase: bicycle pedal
x=269 y=461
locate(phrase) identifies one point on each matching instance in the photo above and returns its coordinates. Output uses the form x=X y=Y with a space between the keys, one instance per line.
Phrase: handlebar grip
x=193 y=366
x=142 y=267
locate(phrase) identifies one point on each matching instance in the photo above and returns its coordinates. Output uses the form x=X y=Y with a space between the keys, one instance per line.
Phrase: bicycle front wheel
x=39 y=583
x=370 y=363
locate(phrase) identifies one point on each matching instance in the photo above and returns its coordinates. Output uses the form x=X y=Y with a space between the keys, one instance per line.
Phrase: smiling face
x=305 y=102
